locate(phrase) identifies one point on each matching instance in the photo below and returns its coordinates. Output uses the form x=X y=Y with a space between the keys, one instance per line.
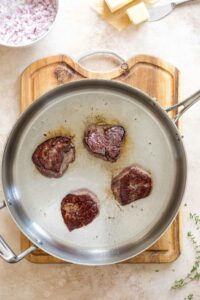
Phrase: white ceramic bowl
x=23 y=45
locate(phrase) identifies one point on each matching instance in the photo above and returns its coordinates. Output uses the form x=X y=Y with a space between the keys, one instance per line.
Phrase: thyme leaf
x=194 y=274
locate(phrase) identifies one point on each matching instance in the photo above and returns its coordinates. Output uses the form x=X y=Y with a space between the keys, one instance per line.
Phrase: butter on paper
x=114 y=5
x=138 y=13
x=118 y=19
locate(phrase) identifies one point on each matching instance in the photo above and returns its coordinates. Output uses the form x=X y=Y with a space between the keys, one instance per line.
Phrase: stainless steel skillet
x=118 y=233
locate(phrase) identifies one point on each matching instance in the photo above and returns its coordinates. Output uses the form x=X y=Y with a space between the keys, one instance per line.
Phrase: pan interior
x=118 y=229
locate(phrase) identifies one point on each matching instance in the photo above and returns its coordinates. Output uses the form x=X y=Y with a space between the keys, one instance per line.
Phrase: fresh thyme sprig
x=189 y=297
x=195 y=218
x=194 y=273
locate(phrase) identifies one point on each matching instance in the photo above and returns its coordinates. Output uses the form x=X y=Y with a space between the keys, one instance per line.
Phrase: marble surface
x=175 y=39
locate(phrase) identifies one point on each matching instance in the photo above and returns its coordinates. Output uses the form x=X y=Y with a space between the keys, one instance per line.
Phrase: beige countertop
x=175 y=39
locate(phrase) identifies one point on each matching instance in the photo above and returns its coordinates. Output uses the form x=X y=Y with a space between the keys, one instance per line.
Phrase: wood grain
x=150 y=74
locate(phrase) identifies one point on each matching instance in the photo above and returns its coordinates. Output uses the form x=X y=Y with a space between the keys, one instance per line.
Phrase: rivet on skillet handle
x=185 y=104
x=5 y=251
x=124 y=65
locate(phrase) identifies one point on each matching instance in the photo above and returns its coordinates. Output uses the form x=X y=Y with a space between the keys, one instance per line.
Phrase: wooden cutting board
x=150 y=74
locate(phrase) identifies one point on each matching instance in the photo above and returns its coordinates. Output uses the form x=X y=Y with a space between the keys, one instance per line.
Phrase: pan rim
x=84 y=85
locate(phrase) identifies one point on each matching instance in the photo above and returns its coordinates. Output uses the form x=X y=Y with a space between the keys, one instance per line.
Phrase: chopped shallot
x=24 y=21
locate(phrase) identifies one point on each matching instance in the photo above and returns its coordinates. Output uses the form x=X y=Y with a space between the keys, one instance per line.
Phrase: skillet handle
x=185 y=104
x=5 y=251
x=89 y=53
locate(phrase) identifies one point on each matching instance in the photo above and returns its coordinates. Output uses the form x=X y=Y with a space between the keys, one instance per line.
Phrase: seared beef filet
x=131 y=184
x=53 y=156
x=79 y=208
x=104 y=141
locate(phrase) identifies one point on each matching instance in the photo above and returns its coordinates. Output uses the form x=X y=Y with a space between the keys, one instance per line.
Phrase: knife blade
x=159 y=12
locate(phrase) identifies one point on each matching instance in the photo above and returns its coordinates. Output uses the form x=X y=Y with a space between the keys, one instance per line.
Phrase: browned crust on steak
x=79 y=208
x=104 y=141
x=53 y=156
x=131 y=184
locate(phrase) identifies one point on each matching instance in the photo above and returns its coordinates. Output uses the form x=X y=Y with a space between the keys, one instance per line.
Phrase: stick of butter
x=150 y=1
x=138 y=13
x=116 y=4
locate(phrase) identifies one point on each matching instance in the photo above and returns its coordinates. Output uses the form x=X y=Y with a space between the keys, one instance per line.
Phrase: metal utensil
x=34 y=201
x=159 y=12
